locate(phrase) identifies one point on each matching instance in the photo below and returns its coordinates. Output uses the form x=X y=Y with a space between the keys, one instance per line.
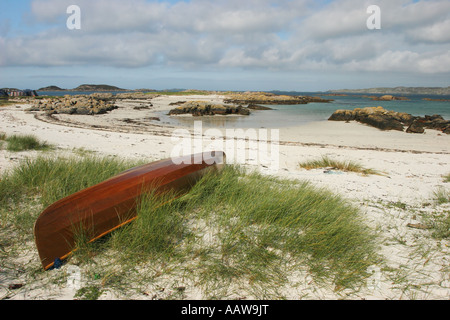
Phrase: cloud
x=253 y=34
x=438 y=32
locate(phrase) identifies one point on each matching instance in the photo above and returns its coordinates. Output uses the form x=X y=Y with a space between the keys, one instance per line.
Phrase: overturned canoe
x=100 y=209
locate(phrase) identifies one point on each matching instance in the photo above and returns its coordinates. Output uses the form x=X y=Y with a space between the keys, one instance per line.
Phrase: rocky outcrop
x=97 y=103
x=415 y=127
x=135 y=95
x=388 y=97
x=439 y=100
x=255 y=98
x=383 y=119
x=398 y=90
x=435 y=122
x=253 y=106
x=202 y=108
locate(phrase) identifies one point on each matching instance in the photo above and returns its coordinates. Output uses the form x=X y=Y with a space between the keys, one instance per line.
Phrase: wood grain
x=100 y=209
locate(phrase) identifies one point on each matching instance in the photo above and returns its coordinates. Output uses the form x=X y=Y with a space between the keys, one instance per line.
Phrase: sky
x=288 y=45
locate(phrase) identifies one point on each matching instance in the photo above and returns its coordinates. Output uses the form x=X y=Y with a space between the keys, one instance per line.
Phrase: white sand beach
x=413 y=167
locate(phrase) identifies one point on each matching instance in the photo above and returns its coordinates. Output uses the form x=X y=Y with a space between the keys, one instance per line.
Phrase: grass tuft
x=39 y=182
x=4 y=102
x=447 y=178
x=442 y=195
x=18 y=143
x=347 y=166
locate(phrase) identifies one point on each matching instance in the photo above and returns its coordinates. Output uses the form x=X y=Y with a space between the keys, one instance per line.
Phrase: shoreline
x=413 y=167
x=110 y=134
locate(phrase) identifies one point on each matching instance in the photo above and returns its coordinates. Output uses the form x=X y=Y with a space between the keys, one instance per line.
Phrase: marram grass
x=18 y=143
x=442 y=195
x=234 y=230
x=40 y=182
x=347 y=166
x=237 y=227
x=447 y=178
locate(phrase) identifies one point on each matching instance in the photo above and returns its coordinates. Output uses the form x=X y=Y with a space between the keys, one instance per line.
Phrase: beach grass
x=4 y=102
x=440 y=224
x=442 y=195
x=17 y=143
x=447 y=178
x=36 y=183
x=347 y=166
x=240 y=228
x=234 y=231
x=2 y=139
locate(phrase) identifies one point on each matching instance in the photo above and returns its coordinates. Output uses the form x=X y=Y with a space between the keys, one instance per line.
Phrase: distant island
x=398 y=90
x=85 y=87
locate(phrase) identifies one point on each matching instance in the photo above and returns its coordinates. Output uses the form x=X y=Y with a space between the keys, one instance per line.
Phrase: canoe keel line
x=98 y=210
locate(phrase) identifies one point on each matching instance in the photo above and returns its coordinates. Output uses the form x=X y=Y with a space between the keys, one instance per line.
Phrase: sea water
x=294 y=115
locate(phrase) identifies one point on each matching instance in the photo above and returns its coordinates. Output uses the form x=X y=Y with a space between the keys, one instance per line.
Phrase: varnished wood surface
x=100 y=209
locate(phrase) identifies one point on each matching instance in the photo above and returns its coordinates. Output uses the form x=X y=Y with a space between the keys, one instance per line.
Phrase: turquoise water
x=294 y=115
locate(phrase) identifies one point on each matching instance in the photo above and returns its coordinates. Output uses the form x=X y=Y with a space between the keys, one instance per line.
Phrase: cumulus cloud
x=259 y=34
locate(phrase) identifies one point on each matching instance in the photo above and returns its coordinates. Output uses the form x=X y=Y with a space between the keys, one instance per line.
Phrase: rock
x=382 y=122
x=435 y=122
x=67 y=111
x=243 y=111
x=343 y=115
x=405 y=118
x=153 y=119
x=202 y=108
x=253 y=106
x=83 y=105
x=270 y=98
x=441 y=100
x=415 y=127
x=388 y=97
x=103 y=96
x=390 y=120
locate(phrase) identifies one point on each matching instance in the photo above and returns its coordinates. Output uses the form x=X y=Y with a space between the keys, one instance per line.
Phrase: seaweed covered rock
x=202 y=108
x=270 y=99
x=383 y=119
x=98 y=103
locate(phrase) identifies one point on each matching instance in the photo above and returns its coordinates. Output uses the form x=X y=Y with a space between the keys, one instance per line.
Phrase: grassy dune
x=234 y=232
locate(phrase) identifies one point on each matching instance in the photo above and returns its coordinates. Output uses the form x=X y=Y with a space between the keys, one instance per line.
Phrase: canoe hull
x=100 y=209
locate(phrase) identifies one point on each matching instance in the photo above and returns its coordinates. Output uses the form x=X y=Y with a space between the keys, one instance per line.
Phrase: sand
x=413 y=167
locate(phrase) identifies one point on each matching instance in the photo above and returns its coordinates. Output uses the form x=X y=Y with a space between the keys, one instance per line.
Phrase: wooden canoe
x=102 y=208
